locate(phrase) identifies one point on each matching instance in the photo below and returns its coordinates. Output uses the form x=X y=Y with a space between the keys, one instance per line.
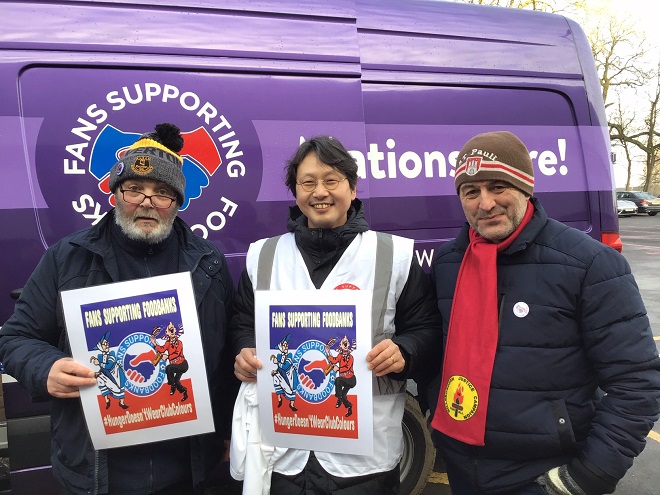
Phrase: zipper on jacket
x=146 y=263
x=476 y=472
x=96 y=472
x=500 y=311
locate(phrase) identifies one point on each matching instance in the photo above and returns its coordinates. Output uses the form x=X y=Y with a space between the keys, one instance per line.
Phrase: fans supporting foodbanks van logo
x=201 y=159
x=95 y=134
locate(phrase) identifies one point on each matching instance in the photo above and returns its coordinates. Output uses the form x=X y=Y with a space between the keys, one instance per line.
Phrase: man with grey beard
x=142 y=237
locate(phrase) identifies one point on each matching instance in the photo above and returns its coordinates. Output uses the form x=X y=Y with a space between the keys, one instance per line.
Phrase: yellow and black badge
x=142 y=165
x=461 y=398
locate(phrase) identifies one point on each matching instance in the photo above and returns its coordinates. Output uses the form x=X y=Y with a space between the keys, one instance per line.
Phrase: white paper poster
x=315 y=390
x=142 y=340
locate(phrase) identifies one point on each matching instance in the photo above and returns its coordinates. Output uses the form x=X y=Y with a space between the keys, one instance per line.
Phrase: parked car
x=625 y=208
x=646 y=202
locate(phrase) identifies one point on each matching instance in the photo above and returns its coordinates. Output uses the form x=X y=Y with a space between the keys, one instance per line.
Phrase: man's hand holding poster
x=314 y=389
x=145 y=349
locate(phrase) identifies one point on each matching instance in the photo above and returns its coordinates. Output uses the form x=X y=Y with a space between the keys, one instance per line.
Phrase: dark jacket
x=34 y=338
x=417 y=327
x=586 y=329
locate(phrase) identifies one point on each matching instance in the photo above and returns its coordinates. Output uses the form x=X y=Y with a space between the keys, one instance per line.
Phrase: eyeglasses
x=136 y=198
x=329 y=184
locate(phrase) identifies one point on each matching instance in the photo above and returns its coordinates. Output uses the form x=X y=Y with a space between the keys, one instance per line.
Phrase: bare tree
x=652 y=148
x=646 y=138
x=619 y=53
x=622 y=125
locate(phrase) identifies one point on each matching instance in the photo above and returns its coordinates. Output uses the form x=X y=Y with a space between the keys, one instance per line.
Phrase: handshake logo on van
x=209 y=145
x=200 y=159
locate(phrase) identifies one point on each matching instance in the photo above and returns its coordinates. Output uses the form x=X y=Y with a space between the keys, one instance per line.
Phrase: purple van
x=403 y=84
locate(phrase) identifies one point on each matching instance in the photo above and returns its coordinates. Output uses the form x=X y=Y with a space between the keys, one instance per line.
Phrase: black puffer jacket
x=417 y=324
x=586 y=328
x=34 y=338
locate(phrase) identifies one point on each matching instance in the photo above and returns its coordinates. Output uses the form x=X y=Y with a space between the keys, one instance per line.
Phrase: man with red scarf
x=550 y=376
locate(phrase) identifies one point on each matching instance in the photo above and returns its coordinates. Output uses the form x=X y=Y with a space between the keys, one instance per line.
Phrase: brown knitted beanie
x=495 y=156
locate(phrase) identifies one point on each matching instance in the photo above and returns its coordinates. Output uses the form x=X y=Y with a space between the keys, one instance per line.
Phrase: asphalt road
x=641 y=247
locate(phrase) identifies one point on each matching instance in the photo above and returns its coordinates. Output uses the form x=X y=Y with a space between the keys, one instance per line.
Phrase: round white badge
x=520 y=309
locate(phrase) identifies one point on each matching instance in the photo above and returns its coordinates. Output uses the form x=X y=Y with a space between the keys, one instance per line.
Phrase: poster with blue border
x=314 y=389
x=142 y=340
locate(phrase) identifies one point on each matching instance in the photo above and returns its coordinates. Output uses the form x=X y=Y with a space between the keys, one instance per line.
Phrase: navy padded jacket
x=586 y=333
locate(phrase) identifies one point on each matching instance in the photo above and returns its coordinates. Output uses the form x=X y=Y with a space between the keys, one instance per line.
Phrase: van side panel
x=402 y=83
x=435 y=74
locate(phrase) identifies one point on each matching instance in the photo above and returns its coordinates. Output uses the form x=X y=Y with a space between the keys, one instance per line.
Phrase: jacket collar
x=97 y=239
x=325 y=240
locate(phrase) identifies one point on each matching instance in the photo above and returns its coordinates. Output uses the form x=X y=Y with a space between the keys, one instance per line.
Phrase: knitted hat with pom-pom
x=153 y=156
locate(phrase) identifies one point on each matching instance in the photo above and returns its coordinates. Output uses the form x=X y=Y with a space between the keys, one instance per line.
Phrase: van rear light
x=612 y=240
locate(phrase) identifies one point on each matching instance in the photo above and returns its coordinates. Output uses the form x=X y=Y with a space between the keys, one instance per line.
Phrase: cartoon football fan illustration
x=178 y=364
x=342 y=364
x=285 y=378
x=110 y=377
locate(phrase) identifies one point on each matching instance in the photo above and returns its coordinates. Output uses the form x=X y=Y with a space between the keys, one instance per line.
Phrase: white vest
x=357 y=267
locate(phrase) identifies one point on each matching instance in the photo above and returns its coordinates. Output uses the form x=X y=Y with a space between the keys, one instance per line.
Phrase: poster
x=142 y=340
x=314 y=389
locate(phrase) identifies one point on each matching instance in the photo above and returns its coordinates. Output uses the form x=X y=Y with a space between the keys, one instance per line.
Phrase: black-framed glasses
x=329 y=184
x=137 y=197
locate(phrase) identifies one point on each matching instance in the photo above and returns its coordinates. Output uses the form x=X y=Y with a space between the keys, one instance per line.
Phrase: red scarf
x=472 y=341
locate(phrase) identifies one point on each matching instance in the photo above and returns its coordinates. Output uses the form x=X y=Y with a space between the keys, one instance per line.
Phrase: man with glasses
x=141 y=237
x=330 y=246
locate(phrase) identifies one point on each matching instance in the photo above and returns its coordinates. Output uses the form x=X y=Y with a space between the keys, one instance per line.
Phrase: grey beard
x=128 y=227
